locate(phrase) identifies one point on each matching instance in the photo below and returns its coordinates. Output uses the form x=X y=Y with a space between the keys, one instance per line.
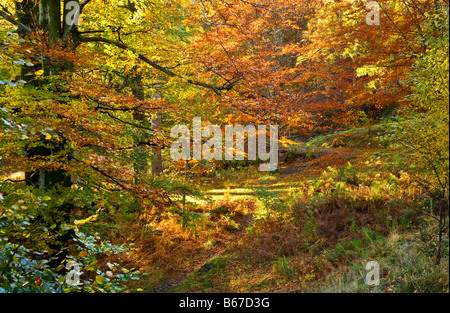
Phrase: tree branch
x=115 y=181
x=217 y=89
x=10 y=19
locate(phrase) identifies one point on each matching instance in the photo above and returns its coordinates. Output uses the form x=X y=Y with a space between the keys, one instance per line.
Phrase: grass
x=403 y=266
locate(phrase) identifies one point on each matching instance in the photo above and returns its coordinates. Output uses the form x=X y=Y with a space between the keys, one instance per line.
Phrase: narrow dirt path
x=214 y=253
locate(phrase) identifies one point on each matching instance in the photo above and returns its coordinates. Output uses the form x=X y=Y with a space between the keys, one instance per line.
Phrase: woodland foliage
x=85 y=110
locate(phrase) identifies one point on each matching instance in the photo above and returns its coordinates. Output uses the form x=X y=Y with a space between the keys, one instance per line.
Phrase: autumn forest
x=224 y=146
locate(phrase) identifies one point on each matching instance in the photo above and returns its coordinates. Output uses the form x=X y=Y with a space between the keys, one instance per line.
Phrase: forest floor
x=310 y=227
x=243 y=189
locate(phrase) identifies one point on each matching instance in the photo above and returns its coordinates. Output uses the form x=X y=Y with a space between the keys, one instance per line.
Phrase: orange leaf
x=83 y=254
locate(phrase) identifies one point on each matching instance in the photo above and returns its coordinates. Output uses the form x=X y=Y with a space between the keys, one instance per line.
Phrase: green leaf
x=99 y=279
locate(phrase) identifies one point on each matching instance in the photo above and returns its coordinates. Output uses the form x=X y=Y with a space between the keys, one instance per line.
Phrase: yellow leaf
x=39 y=73
x=99 y=279
x=79 y=222
x=83 y=254
x=48 y=137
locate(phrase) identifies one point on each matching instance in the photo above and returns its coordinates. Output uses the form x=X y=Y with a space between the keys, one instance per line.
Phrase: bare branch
x=12 y=20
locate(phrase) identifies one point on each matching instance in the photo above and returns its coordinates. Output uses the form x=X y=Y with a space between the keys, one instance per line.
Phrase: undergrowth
x=321 y=237
x=316 y=236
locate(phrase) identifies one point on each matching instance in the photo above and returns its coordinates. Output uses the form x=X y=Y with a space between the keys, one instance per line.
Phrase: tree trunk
x=157 y=167
x=50 y=22
x=70 y=15
x=140 y=164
